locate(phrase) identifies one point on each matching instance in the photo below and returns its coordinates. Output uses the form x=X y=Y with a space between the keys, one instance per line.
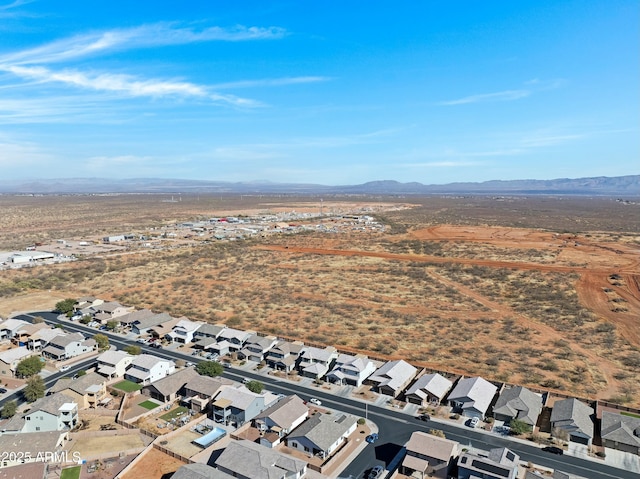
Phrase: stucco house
x=237 y=405
x=429 y=456
x=87 y=391
x=10 y=358
x=428 y=389
x=114 y=364
x=315 y=362
x=183 y=331
x=282 y=417
x=10 y=327
x=57 y=412
x=68 y=346
x=235 y=338
x=145 y=369
x=142 y=325
x=572 y=420
x=351 y=370
x=200 y=391
x=284 y=355
x=322 y=434
x=208 y=330
x=248 y=460
x=111 y=310
x=392 y=377
x=472 y=397
x=168 y=388
x=40 y=339
x=128 y=319
x=518 y=403
x=500 y=463
x=620 y=432
x=257 y=347
x=87 y=302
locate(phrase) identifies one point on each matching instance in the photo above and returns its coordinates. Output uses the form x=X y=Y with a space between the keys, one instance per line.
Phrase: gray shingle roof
x=199 y=471
x=393 y=374
x=474 y=392
x=249 y=459
x=572 y=414
x=619 y=428
x=435 y=384
x=285 y=412
x=171 y=384
x=325 y=429
x=519 y=403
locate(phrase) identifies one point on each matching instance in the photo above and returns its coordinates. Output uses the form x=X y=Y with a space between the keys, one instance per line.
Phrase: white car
x=64 y=368
x=474 y=422
x=315 y=401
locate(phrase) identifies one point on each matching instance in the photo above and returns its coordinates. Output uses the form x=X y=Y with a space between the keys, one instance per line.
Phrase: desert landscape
x=539 y=291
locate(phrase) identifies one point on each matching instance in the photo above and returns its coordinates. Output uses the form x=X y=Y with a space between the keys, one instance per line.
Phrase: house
x=284 y=355
x=316 y=362
x=199 y=471
x=392 y=377
x=518 y=403
x=113 y=364
x=10 y=359
x=32 y=470
x=257 y=347
x=40 y=339
x=620 y=432
x=68 y=346
x=221 y=348
x=235 y=337
x=87 y=302
x=168 y=388
x=57 y=412
x=87 y=391
x=201 y=390
x=22 y=335
x=21 y=448
x=322 y=434
x=145 y=369
x=572 y=420
x=209 y=331
x=143 y=325
x=248 y=460
x=111 y=310
x=351 y=370
x=429 y=456
x=161 y=330
x=282 y=418
x=9 y=328
x=238 y=405
x=428 y=389
x=472 y=397
x=183 y=331
x=128 y=319
x=500 y=463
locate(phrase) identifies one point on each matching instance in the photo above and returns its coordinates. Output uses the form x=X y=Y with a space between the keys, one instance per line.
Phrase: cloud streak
x=506 y=95
x=145 y=36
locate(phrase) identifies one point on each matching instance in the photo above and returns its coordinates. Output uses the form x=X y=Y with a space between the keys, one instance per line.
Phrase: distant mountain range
x=599 y=186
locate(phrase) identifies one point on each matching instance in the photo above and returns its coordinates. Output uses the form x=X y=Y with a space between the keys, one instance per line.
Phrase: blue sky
x=320 y=92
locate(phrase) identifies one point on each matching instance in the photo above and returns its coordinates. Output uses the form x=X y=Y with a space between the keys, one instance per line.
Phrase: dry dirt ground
x=546 y=308
x=154 y=464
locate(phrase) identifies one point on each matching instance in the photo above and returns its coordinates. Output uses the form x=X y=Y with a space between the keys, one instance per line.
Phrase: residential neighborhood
x=226 y=427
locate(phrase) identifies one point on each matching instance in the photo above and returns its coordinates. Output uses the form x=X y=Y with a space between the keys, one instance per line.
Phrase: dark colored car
x=424 y=417
x=553 y=450
x=371 y=438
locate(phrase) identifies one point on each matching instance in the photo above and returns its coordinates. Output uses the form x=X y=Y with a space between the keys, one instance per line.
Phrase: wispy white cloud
x=506 y=95
x=17 y=153
x=124 y=84
x=271 y=82
x=159 y=34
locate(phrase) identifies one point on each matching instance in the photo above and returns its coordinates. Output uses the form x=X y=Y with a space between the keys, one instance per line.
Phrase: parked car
x=64 y=368
x=3 y=390
x=315 y=401
x=376 y=472
x=424 y=417
x=473 y=422
x=156 y=345
x=141 y=341
x=371 y=438
x=188 y=364
x=553 y=450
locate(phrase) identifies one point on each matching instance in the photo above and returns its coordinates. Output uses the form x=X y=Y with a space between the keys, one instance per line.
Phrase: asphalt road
x=395 y=427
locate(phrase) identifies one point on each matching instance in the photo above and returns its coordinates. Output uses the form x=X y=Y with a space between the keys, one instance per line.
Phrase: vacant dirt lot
x=154 y=464
x=557 y=307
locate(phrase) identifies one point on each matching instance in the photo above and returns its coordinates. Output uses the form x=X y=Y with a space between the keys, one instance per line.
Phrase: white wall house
x=68 y=346
x=183 y=332
x=351 y=370
x=113 y=364
x=145 y=369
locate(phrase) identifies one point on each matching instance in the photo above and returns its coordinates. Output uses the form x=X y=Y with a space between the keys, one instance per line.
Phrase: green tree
x=133 y=349
x=113 y=325
x=82 y=372
x=255 y=386
x=102 y=341
x=9 y=409
x=65 y=306
x=38 y=320
x=519 y=427
x=209 y=368
x=29 y=367
x=34 y=388
x=86 y=319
